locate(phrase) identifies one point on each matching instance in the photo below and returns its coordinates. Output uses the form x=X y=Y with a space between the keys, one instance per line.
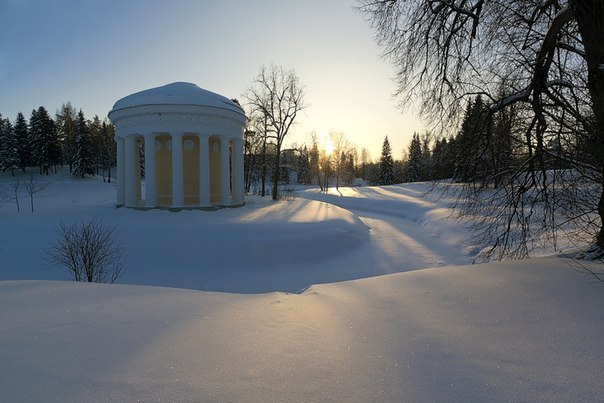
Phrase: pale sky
x=94 y=52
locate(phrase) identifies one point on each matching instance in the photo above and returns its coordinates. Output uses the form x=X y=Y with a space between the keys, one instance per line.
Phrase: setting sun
x=328 y=146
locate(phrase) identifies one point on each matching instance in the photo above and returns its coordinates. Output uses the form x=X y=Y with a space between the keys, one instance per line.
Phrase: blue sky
x=94 y=52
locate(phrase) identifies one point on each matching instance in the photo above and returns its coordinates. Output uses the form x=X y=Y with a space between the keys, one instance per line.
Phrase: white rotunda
x=192 y=143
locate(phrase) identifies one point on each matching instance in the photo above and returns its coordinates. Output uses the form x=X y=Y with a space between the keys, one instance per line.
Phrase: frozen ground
x=518 y=331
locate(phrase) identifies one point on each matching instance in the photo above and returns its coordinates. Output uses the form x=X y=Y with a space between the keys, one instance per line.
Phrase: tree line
x=87 y=146
x=311 y=164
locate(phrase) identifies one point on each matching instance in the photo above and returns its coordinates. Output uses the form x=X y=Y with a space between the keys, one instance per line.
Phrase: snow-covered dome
x=193 y=144
x=177 y=106
x=179 y=93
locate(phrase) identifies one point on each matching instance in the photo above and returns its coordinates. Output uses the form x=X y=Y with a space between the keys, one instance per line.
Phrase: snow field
x=514 y=331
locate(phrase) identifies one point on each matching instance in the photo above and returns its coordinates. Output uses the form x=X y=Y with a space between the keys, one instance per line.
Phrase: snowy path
x=408 y=231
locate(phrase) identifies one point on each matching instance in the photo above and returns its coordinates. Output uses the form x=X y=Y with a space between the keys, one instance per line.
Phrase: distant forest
x=87 y=146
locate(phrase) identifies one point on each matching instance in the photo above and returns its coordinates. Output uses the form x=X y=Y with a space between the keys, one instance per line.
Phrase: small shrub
x=89 y=251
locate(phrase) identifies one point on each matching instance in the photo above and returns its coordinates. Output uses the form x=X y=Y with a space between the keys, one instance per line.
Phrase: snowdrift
x=520 y=331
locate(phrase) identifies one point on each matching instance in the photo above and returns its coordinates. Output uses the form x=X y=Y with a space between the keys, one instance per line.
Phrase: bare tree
x=89 y=251
x=16 y=186
x=258 y=150
x=543 y=57
x=277 y=95
x=364 y=161
x=32 y=187
x=325 y=166
x=340 y=152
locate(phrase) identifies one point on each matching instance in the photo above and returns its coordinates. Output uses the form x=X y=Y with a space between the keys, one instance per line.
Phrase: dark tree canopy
x=23 y=141
x=83 y=158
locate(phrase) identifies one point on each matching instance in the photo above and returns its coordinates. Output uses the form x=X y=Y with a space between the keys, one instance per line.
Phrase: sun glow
x=328 y=146
x=325 y=142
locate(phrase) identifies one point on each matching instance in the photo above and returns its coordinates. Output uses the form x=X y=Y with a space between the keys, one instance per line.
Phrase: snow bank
x=520 y=331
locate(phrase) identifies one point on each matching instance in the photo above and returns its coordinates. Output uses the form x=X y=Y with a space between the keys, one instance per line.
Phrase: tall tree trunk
x=276 y=173
x=589 y=15
x=264 y=166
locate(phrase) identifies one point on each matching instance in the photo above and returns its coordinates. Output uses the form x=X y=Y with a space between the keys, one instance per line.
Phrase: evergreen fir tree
x=44 y=142
x=37 y=140
x=426 y=168
x=94 y=128
x=54 y=145
x=442 y=159
x=83 y=160
x=2 y=123
x=471 y=160
x=414 y=164
x=66 y=132
x=108 y=149
x=8 y=148
x=23 y=142
x=313 y=160
x=304 y=167
x=386 y=174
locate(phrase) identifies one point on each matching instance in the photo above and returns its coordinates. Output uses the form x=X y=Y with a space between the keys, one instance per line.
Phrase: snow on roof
x=179 y=93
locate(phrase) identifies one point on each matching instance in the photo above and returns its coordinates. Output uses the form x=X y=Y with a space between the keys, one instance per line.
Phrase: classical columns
x=229 y=168
x=150 y=172
x=225 y=171
x=121 y=186
x=204 y=171
x=130 y=171
x=238 y=171
x=178 y=188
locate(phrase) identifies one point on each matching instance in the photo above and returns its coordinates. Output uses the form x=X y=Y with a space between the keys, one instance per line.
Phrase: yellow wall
x=191 y=169
x=163 y=161
x=214 y=171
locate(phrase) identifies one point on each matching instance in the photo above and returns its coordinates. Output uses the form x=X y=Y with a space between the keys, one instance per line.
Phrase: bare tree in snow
x=277 y=96
x=89 y=251
x=32 y=187
x=543 y=58
x=16 y=185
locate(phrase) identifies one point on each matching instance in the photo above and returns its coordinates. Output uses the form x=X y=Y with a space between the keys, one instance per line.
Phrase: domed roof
x=178 y=93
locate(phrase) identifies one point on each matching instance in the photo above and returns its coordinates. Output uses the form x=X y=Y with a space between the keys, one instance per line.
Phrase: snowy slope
x=521 y=331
